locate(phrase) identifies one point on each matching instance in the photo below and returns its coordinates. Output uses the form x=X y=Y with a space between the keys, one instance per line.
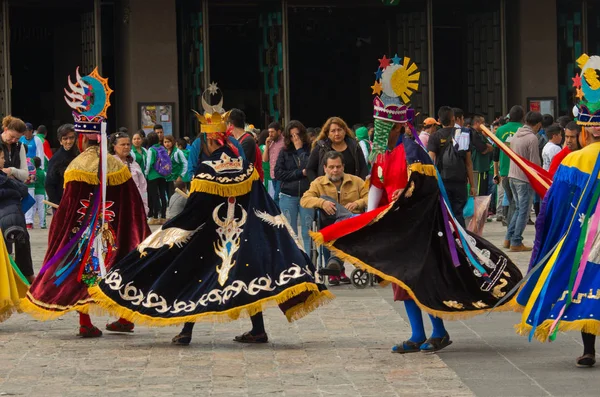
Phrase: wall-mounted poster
x=152 y=113
x=543 y=105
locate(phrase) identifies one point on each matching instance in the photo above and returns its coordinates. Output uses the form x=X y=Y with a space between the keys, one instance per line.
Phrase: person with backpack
x=449 y=148
x=252 y=153
x=158 y=168
x=178 y=162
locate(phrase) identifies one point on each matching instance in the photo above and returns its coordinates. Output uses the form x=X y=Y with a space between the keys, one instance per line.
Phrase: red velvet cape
x=130 y=226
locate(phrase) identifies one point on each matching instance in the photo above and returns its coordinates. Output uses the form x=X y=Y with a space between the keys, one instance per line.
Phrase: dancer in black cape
x=229 y=253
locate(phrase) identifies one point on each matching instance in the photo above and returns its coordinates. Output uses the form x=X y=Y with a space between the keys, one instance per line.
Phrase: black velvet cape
x=179 y=274
x=406 y=243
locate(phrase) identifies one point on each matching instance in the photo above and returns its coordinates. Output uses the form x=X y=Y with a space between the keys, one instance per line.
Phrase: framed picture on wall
x=544 y=105
x=152 y=113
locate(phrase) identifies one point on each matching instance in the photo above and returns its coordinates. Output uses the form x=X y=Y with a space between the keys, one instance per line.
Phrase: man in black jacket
x=60 y=161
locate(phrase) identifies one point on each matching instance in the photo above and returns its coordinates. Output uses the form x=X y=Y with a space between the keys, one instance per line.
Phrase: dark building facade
x=290 y=59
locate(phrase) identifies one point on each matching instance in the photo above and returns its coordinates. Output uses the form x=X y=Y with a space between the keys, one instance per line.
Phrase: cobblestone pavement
x=340 y=349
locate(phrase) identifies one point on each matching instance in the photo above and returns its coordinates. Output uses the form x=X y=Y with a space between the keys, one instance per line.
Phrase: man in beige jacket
x=339 y=195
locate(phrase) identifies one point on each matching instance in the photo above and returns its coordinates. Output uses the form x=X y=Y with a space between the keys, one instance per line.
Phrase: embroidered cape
x=229 y=253
x=562 y=293
x=406 y=243
x=62 y=283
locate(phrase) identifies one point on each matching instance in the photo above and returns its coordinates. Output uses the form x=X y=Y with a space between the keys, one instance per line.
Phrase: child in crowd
x=40 y=192
x=177 y=201
x=182 y=145
x=30 y=183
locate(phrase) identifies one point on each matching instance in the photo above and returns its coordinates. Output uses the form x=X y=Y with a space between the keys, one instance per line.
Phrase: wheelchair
x=12 y=236
x=359 y=278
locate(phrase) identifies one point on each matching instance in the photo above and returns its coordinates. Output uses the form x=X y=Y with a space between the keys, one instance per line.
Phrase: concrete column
x=531 y=51
x=147 y=62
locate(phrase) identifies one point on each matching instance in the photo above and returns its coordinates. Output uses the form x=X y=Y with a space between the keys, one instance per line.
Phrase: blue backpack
x=163 y=164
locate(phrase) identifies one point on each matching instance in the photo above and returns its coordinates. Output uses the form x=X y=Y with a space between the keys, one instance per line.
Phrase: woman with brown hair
x=178 y=160
x=335 y=135
x=290 y=169
x=15 y=158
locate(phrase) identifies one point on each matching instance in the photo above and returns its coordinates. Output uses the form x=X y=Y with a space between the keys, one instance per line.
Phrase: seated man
x=339 y=195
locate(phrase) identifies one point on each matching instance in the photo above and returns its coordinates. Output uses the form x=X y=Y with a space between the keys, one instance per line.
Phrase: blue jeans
x=522 y=195
x=290 y=207
x=276 y=190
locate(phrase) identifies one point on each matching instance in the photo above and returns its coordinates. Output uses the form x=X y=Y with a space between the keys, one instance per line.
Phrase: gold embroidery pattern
x=226 y=179
x=454 y=305
x=581 y=296
x=479 y=305
x=229 y=231
x=497 y=291
x=226 y=164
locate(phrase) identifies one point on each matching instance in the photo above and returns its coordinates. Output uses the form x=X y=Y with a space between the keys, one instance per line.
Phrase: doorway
x=45 y=47
x=467 y=60
x=234 y=37
x=333 y=53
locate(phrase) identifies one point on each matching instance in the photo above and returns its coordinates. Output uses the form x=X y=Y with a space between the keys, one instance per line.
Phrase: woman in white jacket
x=15 y=158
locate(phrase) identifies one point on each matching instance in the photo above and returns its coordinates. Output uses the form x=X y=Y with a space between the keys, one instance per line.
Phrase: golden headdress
x=214 y=119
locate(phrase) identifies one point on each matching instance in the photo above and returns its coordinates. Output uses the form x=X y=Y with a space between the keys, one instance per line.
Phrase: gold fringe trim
x=588 y=123
x=7 y=309
x=437 y=313
x=425 y=169
x=316 y=299
x=224 y=190
x=91 y=178
x=45 y=314
x=542 y=332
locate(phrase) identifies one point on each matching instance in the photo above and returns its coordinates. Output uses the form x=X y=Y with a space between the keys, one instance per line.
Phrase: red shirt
x=392 y=168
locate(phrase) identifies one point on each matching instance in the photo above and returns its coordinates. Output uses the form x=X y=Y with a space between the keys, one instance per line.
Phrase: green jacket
x=40 y=182
x=149 y=171
x=140 y=158
x=180 y=165
x=185 y=177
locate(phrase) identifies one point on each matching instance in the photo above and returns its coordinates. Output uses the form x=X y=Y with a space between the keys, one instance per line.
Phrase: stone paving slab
x=342 y=349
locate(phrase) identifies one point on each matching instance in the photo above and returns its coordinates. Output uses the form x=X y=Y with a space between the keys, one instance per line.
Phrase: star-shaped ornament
x=378 y=74
x=579 y=94
x=397 y=60
x=212 y=88
x=377 y=88
x=384 y=62
x=576 y=81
